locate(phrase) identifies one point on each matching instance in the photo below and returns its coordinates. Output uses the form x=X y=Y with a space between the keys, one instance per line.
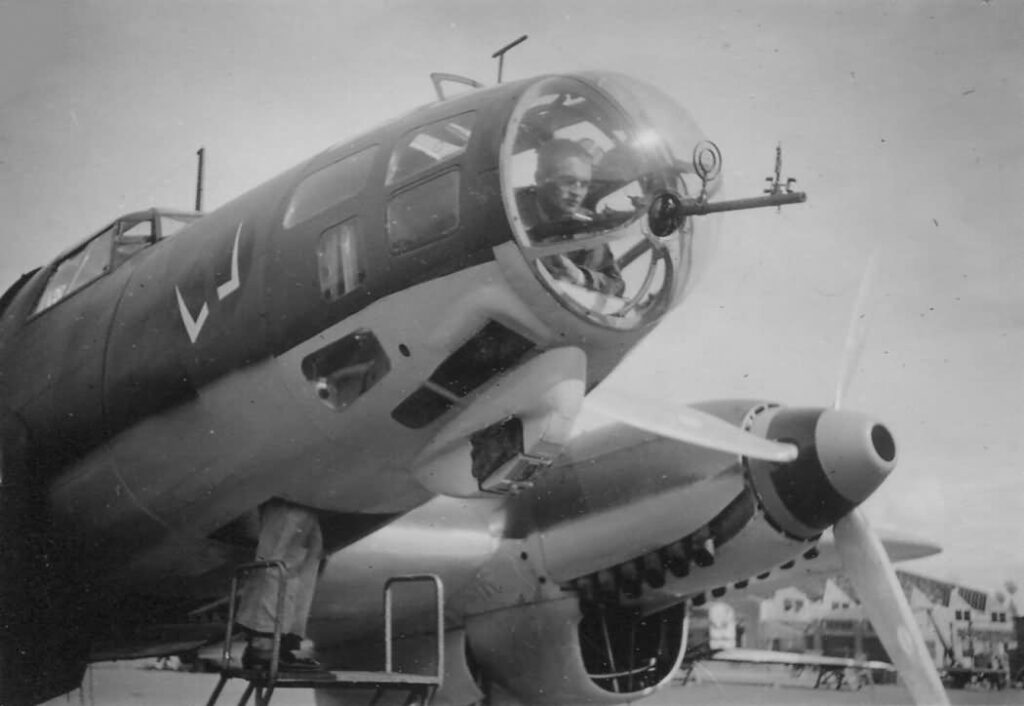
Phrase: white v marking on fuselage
x=232 y=284
x=193 y=326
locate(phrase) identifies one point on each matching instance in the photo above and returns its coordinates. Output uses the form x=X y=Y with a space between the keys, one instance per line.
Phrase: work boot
x=260 y=651
x=259 y=659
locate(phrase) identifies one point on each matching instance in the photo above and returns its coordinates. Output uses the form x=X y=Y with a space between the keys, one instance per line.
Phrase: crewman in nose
x=563 y=178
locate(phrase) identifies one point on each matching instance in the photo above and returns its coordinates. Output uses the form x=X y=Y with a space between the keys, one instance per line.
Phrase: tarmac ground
x=126 y=684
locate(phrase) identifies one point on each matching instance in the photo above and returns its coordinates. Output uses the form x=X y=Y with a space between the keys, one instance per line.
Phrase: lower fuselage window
x=339 y=261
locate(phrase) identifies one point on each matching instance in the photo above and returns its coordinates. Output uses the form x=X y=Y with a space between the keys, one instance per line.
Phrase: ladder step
x=260 y=684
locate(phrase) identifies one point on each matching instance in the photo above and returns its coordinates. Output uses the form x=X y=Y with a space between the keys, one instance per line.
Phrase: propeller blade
x=867 y=565
x=689 y=425
x=856 y=332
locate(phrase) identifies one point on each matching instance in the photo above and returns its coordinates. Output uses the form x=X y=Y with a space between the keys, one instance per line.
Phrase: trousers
x=288 y=533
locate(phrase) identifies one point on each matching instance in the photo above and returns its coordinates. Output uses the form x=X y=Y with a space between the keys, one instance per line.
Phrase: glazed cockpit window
x=329 y=186
x=429 y=145
x=78 y=269
x=132 y=238
x=170 y=223
x=424 y=213
x=107 y=251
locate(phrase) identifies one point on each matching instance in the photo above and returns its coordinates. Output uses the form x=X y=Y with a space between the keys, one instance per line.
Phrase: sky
x=901 y=120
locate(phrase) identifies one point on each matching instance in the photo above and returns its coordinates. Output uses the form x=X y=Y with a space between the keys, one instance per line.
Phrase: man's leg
x=288 y=533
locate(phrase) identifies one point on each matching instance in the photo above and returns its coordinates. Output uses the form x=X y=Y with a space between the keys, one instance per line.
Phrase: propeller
x=856 y=332
x=690 y=426
x=864 y=558
x=868 y=567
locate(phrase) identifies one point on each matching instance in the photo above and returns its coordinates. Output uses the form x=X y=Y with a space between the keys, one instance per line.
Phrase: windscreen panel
x=78 y=269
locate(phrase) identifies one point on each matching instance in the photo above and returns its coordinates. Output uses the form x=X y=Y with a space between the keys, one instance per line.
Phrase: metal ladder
x=262 y=683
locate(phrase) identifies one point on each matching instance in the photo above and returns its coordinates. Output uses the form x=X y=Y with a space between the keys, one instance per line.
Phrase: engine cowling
x=768 y=513
x=844 y=456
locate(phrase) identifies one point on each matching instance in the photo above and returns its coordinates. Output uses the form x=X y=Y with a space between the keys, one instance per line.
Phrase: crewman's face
x=566 y=185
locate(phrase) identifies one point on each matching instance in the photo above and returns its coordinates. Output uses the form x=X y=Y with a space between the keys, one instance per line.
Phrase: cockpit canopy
x=108 y=249
x=582 y=162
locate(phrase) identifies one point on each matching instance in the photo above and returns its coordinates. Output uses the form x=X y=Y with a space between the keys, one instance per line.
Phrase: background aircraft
x=832 y=672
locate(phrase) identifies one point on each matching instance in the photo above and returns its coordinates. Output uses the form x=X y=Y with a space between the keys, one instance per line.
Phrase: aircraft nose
x=844 y=457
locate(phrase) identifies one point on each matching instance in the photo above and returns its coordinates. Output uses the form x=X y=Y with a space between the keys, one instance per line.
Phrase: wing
x=607 y=548
x=793 y=659
x=811 y=572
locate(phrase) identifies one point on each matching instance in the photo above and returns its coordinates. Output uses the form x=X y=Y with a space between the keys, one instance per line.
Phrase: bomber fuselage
x=308 y=339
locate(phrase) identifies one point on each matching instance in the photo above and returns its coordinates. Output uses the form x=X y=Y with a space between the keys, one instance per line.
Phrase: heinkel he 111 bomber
x=398 y=334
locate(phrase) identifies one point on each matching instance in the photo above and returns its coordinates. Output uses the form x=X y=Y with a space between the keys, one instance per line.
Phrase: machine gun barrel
x=699 y=208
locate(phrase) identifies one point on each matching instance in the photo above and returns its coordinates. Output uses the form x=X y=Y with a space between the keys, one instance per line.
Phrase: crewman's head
x=563 y=177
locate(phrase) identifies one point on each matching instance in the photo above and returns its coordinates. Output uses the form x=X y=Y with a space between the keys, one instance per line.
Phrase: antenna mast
x=500 y=54
x=199 y=179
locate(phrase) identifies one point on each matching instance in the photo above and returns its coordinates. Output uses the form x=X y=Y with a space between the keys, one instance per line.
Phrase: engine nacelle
x=552 y=653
